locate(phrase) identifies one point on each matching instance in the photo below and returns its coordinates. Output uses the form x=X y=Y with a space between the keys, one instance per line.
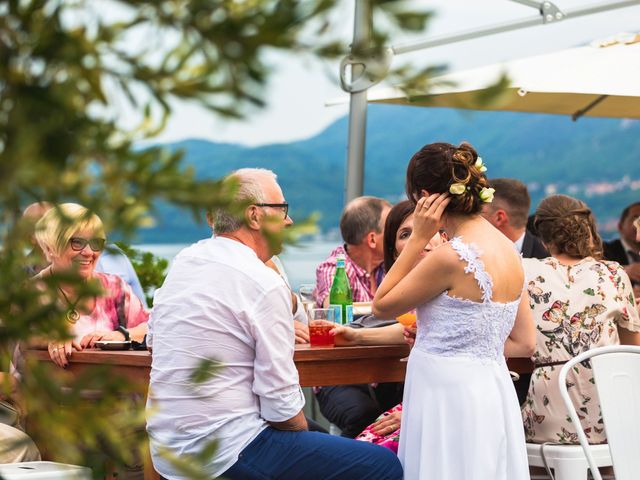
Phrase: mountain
x=593 y=159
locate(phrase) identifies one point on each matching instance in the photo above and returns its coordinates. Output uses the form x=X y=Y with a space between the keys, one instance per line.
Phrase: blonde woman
x=72 y=239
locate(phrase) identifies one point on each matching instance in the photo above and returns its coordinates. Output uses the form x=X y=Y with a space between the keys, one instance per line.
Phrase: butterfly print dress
x=575 y=308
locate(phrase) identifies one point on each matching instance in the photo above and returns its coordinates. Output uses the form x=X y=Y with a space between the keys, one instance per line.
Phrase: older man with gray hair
x=352 y=407
x=361 y=226
x=220 y=302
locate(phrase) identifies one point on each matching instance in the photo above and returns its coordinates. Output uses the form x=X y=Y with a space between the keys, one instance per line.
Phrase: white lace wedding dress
x=461 y=419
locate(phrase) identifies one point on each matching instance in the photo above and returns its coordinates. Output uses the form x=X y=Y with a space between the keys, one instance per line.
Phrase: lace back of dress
x=469 y=254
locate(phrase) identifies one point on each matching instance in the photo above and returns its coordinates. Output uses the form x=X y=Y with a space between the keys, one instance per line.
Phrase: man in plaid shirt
x=361 y=225
x=353 y=407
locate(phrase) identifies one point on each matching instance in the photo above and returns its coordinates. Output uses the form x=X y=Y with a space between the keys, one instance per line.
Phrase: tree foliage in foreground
x=150 y=269
x=68 y=69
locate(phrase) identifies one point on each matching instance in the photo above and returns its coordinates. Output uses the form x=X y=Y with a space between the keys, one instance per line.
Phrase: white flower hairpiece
x=457 y=188
x=480 y=165
x=486 y=194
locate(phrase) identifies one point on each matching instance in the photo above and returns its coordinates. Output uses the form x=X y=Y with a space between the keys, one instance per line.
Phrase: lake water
x=299 y=261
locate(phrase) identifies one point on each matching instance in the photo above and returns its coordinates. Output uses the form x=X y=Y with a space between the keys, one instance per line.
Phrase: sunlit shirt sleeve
x=275 y=376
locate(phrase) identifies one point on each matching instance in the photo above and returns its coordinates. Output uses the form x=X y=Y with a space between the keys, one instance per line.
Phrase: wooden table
x=316 y=367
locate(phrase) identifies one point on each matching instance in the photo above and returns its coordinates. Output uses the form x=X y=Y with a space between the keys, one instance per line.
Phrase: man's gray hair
x=361 y=216
x=250 y=188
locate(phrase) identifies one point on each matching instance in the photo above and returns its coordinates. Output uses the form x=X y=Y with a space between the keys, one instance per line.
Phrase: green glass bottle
x=340 y=297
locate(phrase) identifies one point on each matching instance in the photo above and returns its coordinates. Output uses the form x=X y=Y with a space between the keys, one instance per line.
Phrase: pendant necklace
x=72 y=314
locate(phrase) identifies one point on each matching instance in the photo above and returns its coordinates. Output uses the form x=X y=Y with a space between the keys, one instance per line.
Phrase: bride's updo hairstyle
x=438 y=166
x=566 y=225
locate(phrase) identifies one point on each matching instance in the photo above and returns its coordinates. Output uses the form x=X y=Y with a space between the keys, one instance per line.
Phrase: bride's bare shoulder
x=447 y=254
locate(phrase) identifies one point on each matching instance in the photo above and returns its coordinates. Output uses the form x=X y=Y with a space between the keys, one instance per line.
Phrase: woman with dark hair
x=461 y=416
x=385 y=431
x=579 y=302
x=391 y=239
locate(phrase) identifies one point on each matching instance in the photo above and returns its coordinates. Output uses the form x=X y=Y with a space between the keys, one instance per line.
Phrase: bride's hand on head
x=427 y=216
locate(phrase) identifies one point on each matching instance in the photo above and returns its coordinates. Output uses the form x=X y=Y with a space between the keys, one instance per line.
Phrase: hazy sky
x=299 y=87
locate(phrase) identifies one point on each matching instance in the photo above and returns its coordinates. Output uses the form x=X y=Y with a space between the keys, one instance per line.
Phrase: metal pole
x=354 y=181
x=549 y=13
x=467 y=35
x=510 y=26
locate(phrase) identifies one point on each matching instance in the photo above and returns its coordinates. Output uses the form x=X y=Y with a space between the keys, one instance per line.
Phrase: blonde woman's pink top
x=104 y=316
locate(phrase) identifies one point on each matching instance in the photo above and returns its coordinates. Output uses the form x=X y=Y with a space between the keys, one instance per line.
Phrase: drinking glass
x=408 y=320
x=321 y=321
x=306 y=297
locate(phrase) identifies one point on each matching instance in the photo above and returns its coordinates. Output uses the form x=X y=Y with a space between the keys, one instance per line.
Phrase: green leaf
x=204 y=371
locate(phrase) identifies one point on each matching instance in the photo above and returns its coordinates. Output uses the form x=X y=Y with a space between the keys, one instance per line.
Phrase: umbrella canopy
x=599 y=80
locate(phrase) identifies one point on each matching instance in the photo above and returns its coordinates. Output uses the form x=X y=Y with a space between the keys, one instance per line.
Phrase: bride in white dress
x=461 y=418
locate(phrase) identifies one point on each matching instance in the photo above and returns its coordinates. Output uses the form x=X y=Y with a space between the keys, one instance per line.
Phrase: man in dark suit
x=509 y=212
x=626 y=249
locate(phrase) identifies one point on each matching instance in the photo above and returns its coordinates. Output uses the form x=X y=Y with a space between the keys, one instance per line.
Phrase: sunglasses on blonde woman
x=95 y=244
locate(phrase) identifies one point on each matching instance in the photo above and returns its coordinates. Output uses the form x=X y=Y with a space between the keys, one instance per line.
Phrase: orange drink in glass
x=321 y=322
x=407 y=319
x=319 y=335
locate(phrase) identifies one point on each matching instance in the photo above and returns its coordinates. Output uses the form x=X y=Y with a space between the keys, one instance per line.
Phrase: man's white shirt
x=219 y=301
x=519 y=242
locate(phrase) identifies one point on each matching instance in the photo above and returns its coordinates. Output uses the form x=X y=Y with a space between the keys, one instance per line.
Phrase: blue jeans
x=275 y=454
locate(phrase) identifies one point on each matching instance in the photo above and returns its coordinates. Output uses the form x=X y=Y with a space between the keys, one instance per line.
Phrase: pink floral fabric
x=390 y=441
x=104 y=316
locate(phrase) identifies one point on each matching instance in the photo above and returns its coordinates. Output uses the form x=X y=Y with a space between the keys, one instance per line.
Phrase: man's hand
x=294 y=424
x=301 y=331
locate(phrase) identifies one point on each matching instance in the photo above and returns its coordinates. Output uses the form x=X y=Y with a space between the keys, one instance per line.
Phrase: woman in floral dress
x=579 y=302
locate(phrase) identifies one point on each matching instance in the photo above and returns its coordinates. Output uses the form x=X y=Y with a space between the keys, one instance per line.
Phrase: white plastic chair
x=567 y=461
x=43 y=471
x=616 y=371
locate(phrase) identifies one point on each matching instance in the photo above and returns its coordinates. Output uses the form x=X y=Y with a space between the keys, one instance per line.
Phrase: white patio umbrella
x=599 y=80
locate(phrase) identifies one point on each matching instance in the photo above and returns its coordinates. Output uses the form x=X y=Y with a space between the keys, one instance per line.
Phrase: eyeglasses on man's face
x=95 y=244
x=283 y=206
